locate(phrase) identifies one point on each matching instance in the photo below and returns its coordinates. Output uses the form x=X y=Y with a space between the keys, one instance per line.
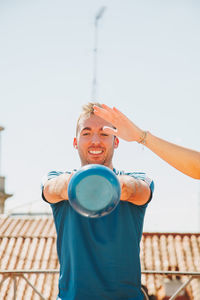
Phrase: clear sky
x=148 y=67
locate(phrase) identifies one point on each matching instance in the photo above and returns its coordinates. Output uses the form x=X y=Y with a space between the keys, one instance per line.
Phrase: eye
x=85 y=133
x=104 y=134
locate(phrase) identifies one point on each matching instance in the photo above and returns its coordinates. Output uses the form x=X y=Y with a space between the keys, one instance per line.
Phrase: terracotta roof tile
x=30 y=243
x=171 y=251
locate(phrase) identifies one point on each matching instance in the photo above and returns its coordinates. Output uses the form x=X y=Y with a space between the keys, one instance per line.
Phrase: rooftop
x=28 y=243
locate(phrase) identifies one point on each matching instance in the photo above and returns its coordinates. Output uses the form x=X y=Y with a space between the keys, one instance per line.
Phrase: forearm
x=55 y=189
x=183 y=159
x=134 y=190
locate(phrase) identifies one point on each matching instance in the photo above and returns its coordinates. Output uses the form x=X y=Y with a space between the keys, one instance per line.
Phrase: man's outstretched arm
x=55 y=189
x=183 y=159
x=134 y=190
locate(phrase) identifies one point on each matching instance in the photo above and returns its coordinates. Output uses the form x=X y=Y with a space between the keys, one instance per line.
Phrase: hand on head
x=123 y=127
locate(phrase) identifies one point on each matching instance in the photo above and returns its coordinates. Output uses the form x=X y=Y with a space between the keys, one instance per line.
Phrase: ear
x=75 y=143
x=116 y=142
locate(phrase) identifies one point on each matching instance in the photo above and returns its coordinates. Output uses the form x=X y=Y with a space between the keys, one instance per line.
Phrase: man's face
x=93 y=144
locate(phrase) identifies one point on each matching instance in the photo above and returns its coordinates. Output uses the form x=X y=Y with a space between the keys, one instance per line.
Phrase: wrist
x=143 y=137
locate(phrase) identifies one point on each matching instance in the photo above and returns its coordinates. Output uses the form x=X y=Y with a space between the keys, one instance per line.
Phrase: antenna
x=98 y=16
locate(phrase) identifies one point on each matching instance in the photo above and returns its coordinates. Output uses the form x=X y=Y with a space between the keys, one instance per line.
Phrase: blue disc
x=94 y=191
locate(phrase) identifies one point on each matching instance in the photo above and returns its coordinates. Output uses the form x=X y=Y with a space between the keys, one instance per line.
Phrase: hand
x=125 y=129
x=64 y=185
x=127 y=187
x=134 y=190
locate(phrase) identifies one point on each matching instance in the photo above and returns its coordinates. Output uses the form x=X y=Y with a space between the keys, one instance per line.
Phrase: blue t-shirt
x=100 y=257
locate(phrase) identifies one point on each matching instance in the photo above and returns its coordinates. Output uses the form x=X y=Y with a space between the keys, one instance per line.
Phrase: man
x=99 y=258
x=183 y=159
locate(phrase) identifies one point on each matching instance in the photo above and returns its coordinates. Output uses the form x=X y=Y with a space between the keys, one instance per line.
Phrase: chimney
x=3 y=195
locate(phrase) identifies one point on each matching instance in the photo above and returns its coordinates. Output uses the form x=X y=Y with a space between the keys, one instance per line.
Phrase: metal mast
x=94 y=84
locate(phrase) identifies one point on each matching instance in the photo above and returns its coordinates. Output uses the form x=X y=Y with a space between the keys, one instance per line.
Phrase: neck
x=110 y=166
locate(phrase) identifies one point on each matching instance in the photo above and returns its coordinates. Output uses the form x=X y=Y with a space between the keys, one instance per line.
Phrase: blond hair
x=87 y=111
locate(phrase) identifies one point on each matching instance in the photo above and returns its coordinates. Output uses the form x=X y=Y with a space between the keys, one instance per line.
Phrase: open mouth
x=95 y=152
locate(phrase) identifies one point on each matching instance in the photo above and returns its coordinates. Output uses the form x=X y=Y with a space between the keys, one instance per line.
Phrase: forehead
x=94 y=122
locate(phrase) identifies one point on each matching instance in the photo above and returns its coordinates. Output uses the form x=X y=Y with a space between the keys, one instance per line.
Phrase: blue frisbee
x=94 y=191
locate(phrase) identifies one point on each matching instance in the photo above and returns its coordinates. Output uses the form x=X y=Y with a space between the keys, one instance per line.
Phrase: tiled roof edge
x=171 y=233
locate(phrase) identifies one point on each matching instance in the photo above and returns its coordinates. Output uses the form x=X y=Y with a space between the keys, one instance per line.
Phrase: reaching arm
x=55 y=189
x=185 y=160
x=134 y=190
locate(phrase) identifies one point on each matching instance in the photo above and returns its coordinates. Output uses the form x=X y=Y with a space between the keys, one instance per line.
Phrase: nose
x=95 y=139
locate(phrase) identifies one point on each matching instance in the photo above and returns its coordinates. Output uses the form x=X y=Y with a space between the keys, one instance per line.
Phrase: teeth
x=95 y=152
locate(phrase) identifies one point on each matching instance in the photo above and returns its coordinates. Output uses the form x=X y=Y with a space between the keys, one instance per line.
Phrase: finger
x=119 y=112
x=95 y=107
x=110 y=111
x=110 y=130
x=106 y=107
x=125 y=118
x=116 y=114
x=104 y=114
x=98 y=109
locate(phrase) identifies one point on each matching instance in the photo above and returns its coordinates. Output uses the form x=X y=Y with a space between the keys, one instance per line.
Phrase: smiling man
x=93 y=144
x=99 y=258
